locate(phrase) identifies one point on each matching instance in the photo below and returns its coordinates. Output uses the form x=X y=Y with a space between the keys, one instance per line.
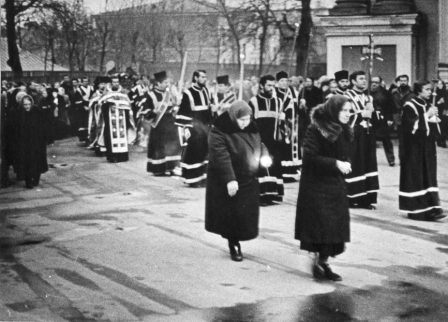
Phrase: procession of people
x=244 y=150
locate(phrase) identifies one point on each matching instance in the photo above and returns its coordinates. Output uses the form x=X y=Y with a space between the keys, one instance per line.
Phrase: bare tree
x=303 y=38
x=237 y=22
x=104 y=33
x=13 y=8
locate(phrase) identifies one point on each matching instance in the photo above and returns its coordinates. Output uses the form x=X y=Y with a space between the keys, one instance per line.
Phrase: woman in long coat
x=232 y=194
x=322 y=218
x=419 y=193
x=32 y=148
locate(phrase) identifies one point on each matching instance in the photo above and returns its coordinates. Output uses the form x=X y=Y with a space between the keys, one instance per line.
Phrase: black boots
x=323 y=271
x=31 y=182
x=235 y=251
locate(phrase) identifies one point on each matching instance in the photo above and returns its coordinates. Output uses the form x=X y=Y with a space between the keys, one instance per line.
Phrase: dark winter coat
x=234 y=154
x=383 y=102
x=47 y=107
x=400 y=96
x=9 y=135
x=32 y=148
x=322 y=215
x=418 y=195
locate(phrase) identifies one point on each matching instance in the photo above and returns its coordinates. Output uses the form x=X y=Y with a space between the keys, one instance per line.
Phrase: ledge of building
x=368 y=24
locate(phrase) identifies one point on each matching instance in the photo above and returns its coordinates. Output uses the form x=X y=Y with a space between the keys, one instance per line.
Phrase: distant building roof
x=29 y=61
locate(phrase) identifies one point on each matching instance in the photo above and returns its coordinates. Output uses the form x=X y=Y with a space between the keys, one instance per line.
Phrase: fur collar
x=326 y=127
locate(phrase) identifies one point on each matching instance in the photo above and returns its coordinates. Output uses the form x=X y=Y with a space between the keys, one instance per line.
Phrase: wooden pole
x=182 y=73
x=291 y=56
x=240 y=94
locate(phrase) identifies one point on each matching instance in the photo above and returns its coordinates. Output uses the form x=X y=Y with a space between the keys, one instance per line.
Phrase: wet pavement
x=109 y=242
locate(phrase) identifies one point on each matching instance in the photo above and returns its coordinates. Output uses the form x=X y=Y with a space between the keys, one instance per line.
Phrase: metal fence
x=44 y=77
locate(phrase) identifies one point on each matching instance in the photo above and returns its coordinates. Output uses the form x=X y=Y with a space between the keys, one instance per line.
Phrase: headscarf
x=21 y=95
x=238 y=110
x=26 y=96
x=326 y=117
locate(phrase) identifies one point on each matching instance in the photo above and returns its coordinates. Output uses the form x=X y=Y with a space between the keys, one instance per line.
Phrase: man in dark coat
x=419 y=192
x=383 y=103
x=47 y=105
x=291 y=154
x=223 y=96
x=232 y=196
x=401 y=95
x=194 y=121
x=119 y=129
x=268 y=114
x=341 y=78
x=76 y=106
x=362 y=182
x=164 y=149
x=310 y=97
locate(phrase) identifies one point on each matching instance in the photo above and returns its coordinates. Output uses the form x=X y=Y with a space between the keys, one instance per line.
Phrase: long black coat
x=383 y=102
x=32 y=147
x=233 y=155
x=418 y=195
x=322 y=215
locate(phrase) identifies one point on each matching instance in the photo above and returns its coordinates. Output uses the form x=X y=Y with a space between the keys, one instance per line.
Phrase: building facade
x=412 y=35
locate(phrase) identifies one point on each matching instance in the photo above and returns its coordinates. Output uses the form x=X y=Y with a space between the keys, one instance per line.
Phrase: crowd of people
x=245 y=141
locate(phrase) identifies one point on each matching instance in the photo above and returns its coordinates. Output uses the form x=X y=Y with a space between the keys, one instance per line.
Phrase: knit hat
x=223 y=79
x=340 y=75
x=160 y=76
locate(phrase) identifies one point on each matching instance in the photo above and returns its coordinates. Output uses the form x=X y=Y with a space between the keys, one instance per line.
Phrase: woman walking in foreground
x=232 y=195
x=322 y=217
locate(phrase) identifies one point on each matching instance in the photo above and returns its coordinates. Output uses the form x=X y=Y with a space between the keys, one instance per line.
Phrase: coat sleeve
x=410 y=119
x=184 y=116
x=312 y=153
x=219 y=156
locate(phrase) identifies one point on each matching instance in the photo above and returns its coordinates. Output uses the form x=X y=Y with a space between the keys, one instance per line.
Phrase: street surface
x=109 y=242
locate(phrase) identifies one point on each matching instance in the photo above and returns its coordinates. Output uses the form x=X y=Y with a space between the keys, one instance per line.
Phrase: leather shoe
x=323 y=271
x=235 y=252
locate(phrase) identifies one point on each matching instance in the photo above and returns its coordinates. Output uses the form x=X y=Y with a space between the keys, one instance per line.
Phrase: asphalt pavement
x=109 y=242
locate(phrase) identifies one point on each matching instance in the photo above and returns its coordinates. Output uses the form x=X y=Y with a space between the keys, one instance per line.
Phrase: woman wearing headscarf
x=32 y=148
x=232 y=194
x=419 y=192
x=322 y=217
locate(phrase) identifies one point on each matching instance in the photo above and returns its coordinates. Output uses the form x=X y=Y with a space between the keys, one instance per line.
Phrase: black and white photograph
x=224 y=161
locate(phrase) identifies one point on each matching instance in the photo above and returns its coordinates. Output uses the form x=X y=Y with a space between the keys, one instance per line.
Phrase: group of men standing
x=178 y=125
